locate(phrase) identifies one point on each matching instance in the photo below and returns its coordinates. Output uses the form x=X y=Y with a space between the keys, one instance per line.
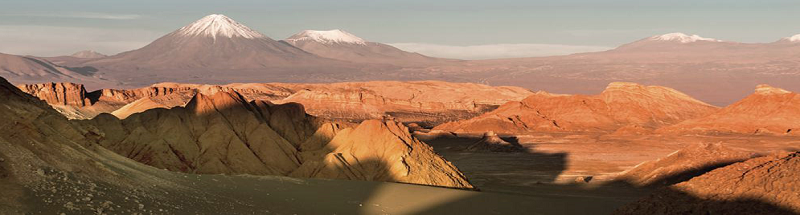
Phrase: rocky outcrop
x=379 y=151
x=770 y=110
x=147 y=103
x=128 y=96
x=59 y=93
x=621 y=104
x=764 y=185
x=492 y=142
x=224 y=133
x=48 y=164
x=227 y=133
x=51 y=165
x=683 y=164
x=427 y=102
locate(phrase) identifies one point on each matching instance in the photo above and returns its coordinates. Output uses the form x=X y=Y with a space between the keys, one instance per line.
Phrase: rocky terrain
x=427 y=102
x=188 y=124
x=683 y=164
x=769 y=110
x=49 y=165
x=764 y=185
x=62 y=94
x=200 y=51
x=224 y=133
x=256 y=129
x=619 y=105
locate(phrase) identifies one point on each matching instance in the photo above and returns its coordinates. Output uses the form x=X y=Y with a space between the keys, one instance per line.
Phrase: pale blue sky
x=55 y=27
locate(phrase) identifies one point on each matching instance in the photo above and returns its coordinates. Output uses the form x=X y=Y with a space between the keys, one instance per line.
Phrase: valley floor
x=554 y=161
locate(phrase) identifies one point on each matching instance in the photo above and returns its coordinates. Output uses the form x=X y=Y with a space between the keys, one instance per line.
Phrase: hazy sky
x=490 y=28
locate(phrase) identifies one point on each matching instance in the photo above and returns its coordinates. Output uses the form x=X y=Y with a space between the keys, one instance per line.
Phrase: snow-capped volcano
x=682 y=38
x=87 y=54
x=215 y=42
x=218 y=25
x=672 y=41
x=340 y=45
x=792 y=39
x=327 y=37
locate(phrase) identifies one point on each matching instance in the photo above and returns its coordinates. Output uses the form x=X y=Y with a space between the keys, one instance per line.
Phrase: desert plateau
x=516 y=107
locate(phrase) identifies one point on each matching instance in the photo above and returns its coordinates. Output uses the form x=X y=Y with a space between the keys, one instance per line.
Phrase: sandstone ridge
x=768 y=111
x=621 y=104
x=428 y=102
x=225 y=133
x=764 y=185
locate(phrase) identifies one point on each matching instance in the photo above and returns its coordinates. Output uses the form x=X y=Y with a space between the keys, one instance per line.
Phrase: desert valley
x=217 y=118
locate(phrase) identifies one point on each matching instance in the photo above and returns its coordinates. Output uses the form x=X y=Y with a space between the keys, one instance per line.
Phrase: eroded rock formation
x=769 y=110
x=683 y=164
x=224 y=133
x=51 y=165
x=428 y=102
x=621 y=104
x=59 y=93
x=764 y=185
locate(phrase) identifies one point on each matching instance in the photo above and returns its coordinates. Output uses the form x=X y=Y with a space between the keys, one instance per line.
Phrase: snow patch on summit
x=327 y=37
x=218 y=25
x=764 y=89
x=683 y=38
x=793 y=39
x=87 y=54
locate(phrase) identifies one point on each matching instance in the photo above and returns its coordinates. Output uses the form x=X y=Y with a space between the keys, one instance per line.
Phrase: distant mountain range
x=340 y=45
x=217 y=50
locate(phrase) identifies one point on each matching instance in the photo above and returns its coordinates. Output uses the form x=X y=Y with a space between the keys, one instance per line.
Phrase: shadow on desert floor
x=534 y=174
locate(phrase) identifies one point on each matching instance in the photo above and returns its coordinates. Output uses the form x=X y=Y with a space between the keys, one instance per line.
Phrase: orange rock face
x=769 y=110
x=619 y=105
x=59 y=93
x=428 y=102
x=683 y=164
x=764 y=185
x=225 y=133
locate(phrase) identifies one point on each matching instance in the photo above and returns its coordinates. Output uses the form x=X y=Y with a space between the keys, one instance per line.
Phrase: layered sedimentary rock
x=378 y=151
x=683 y=164
x=59 y=93
x=147 y=103
x=428 y=102
x=69 y=99
x=764 y=185
x=228 y=133
x=224 y=133
x=51 y=165
x=621 y=104
x=769 y=110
